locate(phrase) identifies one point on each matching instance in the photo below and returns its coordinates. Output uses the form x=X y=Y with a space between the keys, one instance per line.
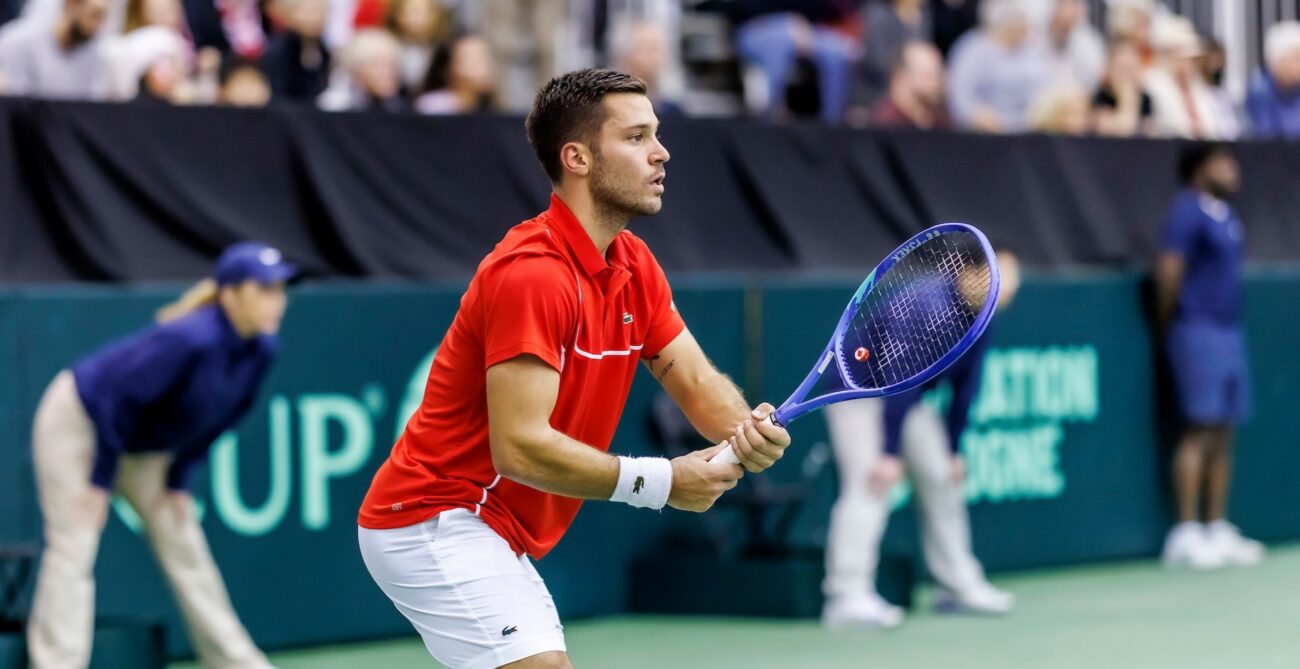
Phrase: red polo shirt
x=544 y=290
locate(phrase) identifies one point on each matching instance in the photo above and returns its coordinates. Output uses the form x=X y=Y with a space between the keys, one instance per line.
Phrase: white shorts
x=475 y=603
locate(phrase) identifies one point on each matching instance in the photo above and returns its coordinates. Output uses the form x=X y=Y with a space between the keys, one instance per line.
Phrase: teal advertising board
x=1064 y=444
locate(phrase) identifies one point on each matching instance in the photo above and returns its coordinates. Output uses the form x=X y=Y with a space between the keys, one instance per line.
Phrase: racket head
x=919 y=311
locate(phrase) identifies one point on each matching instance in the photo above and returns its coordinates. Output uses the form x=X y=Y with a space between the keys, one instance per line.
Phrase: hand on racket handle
x=698 y=482
x=757 y=443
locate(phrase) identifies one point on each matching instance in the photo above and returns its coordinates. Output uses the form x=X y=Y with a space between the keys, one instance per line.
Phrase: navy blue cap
x=252 y=260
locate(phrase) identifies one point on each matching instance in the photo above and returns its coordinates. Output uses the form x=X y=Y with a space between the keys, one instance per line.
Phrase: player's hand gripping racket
x=922 y=307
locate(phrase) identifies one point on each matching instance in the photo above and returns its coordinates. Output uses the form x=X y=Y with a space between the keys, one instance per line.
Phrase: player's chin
x=651 y=205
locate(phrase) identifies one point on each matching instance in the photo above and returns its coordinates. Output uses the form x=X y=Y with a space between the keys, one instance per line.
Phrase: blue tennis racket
x=922 y=307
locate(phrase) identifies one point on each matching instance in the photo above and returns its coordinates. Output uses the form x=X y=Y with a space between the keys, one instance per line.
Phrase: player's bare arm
x=521 y=394
x=715 y=406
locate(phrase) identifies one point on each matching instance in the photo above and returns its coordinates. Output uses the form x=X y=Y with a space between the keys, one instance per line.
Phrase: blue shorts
x=1210 y=372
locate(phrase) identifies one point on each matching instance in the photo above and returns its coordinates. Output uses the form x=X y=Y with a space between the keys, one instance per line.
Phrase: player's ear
x=576 y=159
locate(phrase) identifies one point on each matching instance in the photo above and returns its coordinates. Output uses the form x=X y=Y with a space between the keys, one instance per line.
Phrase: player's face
x=628 y=159
x=255 y=308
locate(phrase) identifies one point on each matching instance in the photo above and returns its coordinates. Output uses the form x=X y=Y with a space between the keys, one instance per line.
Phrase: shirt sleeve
x=965 y=384
x=1179 y=233
x=666 y=323
x=896 y=408
x=530 y=307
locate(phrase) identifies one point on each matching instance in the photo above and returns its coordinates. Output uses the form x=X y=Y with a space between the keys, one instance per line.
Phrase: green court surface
x=1113 y=616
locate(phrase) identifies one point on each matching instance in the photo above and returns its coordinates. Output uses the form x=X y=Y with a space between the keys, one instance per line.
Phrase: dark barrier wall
x=1064 y=444
x=102 y=192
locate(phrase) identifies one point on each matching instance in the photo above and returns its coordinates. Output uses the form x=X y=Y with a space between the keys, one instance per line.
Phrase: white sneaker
x=1235 y=549
x=866 y=611
x=1188 y=545
x=982 y=599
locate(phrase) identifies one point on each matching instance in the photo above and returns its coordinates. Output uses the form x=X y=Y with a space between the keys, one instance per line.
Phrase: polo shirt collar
x=579 y=242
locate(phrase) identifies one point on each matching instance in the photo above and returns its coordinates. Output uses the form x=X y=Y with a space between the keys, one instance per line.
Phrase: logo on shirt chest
x=627 y=318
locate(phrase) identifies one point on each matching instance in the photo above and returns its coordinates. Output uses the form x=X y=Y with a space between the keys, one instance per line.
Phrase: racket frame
x=796 y=406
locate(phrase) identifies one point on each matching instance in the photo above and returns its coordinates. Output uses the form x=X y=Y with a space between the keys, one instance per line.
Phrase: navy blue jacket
x=173 y=387
x=965 y=378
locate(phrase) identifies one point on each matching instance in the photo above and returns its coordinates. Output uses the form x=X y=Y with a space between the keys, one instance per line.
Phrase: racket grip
x=727 y=456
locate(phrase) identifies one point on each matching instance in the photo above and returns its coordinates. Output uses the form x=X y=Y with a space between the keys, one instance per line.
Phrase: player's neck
x=601 y=225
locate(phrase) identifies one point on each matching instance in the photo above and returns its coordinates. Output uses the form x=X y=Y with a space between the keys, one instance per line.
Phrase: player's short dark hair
x=569 y=108
x=1195 y=156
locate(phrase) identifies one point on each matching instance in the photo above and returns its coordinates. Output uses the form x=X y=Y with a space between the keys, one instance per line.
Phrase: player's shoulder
x=530 y=254
x=196 y=330
x=1186 y=206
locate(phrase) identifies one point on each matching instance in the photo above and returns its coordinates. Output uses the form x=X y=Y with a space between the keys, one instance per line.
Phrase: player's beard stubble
x=619 y=192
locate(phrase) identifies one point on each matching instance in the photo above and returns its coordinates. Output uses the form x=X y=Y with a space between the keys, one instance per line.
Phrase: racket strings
x=916 y=312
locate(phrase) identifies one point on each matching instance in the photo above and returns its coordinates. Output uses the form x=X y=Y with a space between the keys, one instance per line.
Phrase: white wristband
x=643 y=482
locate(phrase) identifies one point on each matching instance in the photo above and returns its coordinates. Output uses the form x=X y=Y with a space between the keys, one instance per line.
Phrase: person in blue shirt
x=1198 y=301
x=1273 y=97
x=875 y=440
x=134 y=418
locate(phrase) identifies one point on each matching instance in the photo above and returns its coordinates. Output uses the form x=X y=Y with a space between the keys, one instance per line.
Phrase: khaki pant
x=859 y=517
x=62 y=622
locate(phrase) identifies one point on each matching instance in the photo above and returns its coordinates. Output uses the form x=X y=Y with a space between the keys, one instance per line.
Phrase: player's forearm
x=715 y=406
x=555 y=463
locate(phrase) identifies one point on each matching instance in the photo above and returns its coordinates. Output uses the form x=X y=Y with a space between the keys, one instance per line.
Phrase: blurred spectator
x=166 y=81
x=952 y=19
x=462 y=78
x=128 y=58
x=1074 y=48
x=1198 y=279
x=524 y=35
x=1181 y=100
x=297 y=64
x=1213 y=63
x=798 y=55
x=1121 y=108
x=243 y=85
x=372 y=64
x=418 y=25
x=641 y=50
x=994 y=72
x=890 y=25
x=1063 y=109
x=230 y=26
x=153 y=31
x=1130 y=21
x=166 y=13
x=1273 y=99
x=916 y=91
x=64 y=60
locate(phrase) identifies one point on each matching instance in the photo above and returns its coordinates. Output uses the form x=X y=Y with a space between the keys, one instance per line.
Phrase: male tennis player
x=1198 y=291
x=526 y=391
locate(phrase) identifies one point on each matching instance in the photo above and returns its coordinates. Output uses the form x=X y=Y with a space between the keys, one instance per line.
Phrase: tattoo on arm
x=667 y=368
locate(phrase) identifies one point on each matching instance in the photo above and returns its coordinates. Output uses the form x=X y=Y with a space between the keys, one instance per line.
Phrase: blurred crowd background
x=1181 y=68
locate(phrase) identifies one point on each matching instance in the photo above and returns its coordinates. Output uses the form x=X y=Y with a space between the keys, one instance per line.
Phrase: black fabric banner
x=119 y=192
